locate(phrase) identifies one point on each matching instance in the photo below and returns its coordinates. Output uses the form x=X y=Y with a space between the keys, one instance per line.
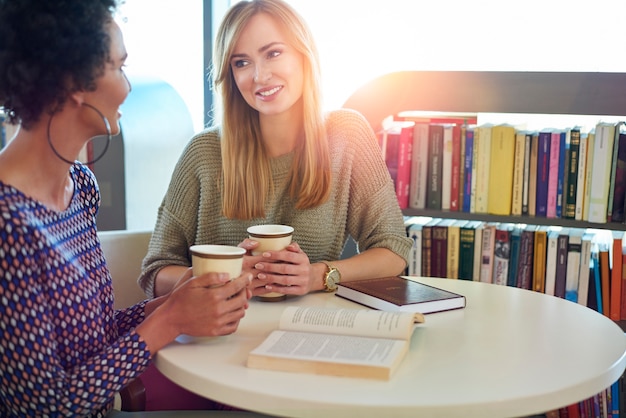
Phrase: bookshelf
x=558 y=93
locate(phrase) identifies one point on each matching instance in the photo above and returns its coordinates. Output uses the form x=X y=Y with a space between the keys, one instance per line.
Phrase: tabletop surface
x=510 y=352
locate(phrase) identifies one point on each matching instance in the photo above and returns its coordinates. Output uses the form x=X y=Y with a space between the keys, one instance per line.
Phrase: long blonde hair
x=247 y=173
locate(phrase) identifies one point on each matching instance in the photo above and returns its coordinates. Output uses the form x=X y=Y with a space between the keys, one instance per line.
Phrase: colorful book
x=572 y=175
x=591 y=140
x=419 y=167
x=605 y=276
x=435 y=167
x=543 y=172
x=501 y=165
x=467 y=168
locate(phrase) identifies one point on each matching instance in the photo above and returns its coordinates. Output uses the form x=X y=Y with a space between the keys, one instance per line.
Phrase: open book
x=341 y=342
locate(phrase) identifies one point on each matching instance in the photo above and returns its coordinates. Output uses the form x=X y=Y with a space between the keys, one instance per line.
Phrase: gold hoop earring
x=107 y=126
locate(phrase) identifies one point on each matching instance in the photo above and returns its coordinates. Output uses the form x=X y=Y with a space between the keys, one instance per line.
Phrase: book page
x=361 y=322
x=331 y=348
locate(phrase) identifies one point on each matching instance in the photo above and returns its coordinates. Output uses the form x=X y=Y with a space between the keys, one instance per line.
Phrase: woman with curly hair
x=64 y=350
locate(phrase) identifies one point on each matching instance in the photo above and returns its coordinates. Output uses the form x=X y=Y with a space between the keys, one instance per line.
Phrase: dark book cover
x=526 y=257
x=572 y=175
x=427 y=244
x=619 y=193
x=467 y=170
x=543 y=169
x=435 y=167
x=467 y=245
x=561 y=264
x=397 y=293
x=439 y=251
x=562 y=181
x=516 y=241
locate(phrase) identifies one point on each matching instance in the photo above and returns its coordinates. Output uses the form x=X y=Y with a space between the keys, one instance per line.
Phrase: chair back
x=124 y=251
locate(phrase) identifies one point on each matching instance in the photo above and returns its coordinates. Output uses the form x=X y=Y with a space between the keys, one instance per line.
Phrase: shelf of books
x=511 y=178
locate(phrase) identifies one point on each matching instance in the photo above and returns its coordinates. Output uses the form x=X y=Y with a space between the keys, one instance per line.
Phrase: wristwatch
x=332 y=277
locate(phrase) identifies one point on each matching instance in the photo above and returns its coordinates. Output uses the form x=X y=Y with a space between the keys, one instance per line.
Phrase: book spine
x=439 y=252
x=572 y=175
x=543 y=171
x=613 y=162
x=452 y=267
x=591 y=139
x=600 y=177
x=446 y=168
x=524 y=268
x=415 y=255
x=419 y=167
x=435 y=167
x=467 y=170
x=532 y=185
x=466 y=252
x=502 y=161
x=488 y=242
x=583 y=272
x=514 y=258
x=474 y=172
x=605 y=278
x=518 y=174
x=616 y=277
x=539 y=260
x=427 y=240
x=580 y=181
x=619 y=190
x=551 y=260
x=502 y=251
x=478 y=251
x=455 y=181
x=573 y=267
x=482 y=163
x=553 y=174
x=561 y=265
x=526 y=179
x=562 y=180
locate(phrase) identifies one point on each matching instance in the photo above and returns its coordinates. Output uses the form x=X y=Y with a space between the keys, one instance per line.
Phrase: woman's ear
x=77 y=98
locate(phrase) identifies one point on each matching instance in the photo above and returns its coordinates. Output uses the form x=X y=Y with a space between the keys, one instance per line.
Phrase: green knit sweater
x=362 y=202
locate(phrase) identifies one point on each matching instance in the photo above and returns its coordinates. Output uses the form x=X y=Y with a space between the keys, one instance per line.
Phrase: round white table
x=510 y=352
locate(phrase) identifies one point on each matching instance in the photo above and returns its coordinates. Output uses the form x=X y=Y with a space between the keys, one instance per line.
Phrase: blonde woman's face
x=268 y=71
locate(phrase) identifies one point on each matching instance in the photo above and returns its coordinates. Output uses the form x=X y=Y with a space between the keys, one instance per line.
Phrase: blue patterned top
x=64 y=350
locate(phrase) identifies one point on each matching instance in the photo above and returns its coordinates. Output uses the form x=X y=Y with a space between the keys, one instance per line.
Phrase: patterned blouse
x=64 y=350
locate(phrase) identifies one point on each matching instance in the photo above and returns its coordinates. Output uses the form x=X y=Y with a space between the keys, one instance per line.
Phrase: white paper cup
x=270 y=238
x=207 y=258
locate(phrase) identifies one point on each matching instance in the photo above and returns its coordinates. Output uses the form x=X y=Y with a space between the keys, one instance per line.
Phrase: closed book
x=619 y=187
x=467 y=247
x=474 y=169
x=501 y=165
x=605 y=276
x=478 y=251
x=482 y=140
x=526 y=258
x=516 y=239
x=591 y=140
x=467 y=169
x=539 y=259
x=487 y=249
x=454 y=240
x=581 y=176
x=583 y=273
x=414 y=225
x=572 y=175
x=616 y=276
x=397 y=141
x=601 y=172
x=613 y=172
x=446 y=167
x=532 y=180
x=553 y=173
x=427 y=245
x=574 y=249
x=564 y=137
x=518 y=173
x=528 y=137
x=502 y=253
x=419 y=167
x=551 y=260
x=623 y=309
x=543 y=171
x=561 y=263
x=396 y=293
x=439 y=250
x=435 y=167
x=455 y=180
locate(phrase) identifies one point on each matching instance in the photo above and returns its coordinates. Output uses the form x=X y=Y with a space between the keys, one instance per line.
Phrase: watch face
x=333 y=278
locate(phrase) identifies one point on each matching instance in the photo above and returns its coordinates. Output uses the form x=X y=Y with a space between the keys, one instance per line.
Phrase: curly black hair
x=48 y=50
